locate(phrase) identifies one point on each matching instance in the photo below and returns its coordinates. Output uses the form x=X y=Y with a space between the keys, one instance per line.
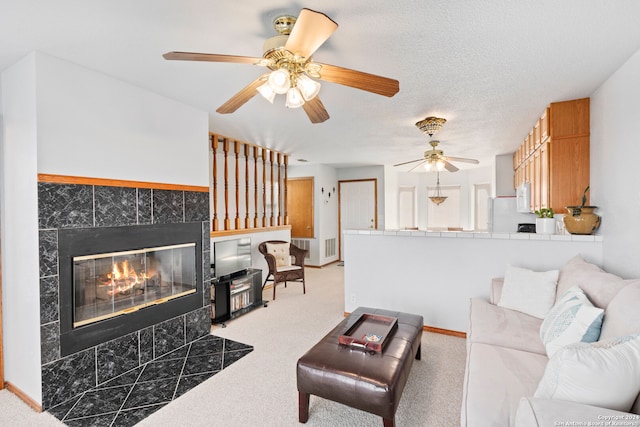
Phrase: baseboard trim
x=435 y=330
x=323 y=265
x=445 y=332
x=23 y=396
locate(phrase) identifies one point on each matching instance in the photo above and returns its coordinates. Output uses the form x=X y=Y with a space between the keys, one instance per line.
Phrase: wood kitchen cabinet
x=556 y=156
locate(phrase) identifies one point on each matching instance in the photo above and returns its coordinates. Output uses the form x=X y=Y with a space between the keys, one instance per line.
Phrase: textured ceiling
x=488 y=66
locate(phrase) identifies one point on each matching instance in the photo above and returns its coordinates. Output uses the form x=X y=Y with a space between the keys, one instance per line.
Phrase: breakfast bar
x=434 y=274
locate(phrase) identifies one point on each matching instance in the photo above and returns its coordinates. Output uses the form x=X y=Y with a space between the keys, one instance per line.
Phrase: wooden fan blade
x=211 y=57
x=309 y=32
x=240 y=98
x=359 y=80
x=410 y=161
x=315 y=110
x=417 y=166
x=462 y=159
x=451 y=168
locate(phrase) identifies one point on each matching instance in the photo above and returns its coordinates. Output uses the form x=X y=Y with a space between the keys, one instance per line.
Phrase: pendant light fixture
x=438 y=198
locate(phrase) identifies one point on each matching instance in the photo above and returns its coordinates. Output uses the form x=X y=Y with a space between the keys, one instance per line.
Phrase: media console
x=235 y=295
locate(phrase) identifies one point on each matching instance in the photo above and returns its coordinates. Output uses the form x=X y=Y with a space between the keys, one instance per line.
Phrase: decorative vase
x=581 y=220
x=545 y=225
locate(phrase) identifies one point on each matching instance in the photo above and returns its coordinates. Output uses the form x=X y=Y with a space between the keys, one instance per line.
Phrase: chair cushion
x=572 y=319
x=280 y=251
x=529 y=291
x=288 y=268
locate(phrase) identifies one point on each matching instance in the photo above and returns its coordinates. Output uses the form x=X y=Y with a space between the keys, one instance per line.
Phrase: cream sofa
x=506 y=357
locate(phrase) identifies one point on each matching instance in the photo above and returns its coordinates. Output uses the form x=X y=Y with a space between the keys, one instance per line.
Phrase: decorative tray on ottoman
x=370 y=332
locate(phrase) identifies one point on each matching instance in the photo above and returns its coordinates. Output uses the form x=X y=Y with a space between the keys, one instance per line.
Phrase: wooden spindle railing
x=271 y=185
x=255 y=214
x=236 y=150
x=284 y=196
x=247 y=221
x=214 y=148
x=225 y=149
x=264 y=187
x=255 y=186
x=279 y=157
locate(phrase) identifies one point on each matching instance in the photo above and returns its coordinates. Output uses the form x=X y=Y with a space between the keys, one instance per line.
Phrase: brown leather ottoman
x=370 y=382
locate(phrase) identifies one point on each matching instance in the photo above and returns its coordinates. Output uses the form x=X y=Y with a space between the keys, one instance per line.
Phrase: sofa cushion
x=604 y=373
x=534 y=412
x=622 y=316
x=281 y=253
x=495 y=325
x=597 y=284
x=572 y=319
x=495 y=380
x=528 y=291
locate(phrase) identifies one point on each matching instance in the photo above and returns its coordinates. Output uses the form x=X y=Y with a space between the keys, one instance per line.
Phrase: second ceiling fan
x=293 y=70
x=435 y=160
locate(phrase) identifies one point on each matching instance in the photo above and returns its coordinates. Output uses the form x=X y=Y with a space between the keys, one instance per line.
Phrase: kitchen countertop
x=478 y=235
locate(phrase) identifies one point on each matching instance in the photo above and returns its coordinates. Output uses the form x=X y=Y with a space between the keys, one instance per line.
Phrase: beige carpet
x=260 y=389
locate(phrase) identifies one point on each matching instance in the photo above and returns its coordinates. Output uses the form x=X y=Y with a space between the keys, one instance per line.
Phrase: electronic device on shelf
x=231 y=258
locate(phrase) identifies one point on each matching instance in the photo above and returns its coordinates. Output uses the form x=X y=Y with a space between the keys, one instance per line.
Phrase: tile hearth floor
x=134 y=395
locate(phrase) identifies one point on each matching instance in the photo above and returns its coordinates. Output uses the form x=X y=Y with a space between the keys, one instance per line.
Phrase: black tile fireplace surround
x=87 y=241
x=67 y=206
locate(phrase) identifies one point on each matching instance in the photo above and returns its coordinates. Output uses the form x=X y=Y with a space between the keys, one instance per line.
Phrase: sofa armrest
x=496 y=290
x=533 y=412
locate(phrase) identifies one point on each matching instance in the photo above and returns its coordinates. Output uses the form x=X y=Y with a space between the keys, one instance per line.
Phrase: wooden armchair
x=278 y=255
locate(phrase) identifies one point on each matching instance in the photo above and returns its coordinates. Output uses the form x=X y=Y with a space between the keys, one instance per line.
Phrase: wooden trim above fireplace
x=66 y=179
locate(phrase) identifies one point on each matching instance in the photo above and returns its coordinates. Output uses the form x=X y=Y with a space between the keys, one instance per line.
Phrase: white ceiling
x=488 y=66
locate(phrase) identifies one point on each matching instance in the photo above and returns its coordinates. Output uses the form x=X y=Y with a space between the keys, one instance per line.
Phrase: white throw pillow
x=530 y=292
x=281 y=253
x=572 y=319
x=604 y=373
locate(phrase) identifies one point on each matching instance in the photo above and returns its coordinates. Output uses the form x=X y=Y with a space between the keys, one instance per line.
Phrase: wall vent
x=330 y=247
x=303 y=244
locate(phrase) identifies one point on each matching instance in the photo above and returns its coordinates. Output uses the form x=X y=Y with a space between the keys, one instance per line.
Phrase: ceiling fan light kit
x=288 y=56
x=431 y=125
x=435 y=160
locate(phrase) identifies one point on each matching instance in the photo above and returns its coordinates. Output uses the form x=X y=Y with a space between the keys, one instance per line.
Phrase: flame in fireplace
x=123 y=278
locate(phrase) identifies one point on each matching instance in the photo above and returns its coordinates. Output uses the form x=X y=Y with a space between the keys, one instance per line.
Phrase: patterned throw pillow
x=603 y=373
x=572 y=319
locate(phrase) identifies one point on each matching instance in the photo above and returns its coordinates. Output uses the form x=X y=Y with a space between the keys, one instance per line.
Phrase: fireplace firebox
x=115 y=280
x=112 y=284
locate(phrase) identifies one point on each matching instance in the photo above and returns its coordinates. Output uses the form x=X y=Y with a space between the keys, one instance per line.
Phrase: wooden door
x=358 y=206
x=300 y=206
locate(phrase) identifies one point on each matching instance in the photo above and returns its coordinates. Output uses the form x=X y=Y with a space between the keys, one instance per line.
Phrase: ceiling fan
x=293 y=70
x=435 y=160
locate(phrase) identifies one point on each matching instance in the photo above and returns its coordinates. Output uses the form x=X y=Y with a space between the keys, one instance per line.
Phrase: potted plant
x=582 y=219
x=545 y=222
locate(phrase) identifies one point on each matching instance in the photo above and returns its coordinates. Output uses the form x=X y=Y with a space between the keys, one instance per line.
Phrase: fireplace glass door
x=112 y=284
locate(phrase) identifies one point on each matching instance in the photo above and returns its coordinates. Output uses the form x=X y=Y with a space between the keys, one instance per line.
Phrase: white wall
x=20 y=269
x=325 y=209
x=60 y=118
x=503 y=176
x=615 y=109
x=435 y=276
x=90 y=124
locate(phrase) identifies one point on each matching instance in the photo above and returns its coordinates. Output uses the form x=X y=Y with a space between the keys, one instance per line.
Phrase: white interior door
x=357 y=207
